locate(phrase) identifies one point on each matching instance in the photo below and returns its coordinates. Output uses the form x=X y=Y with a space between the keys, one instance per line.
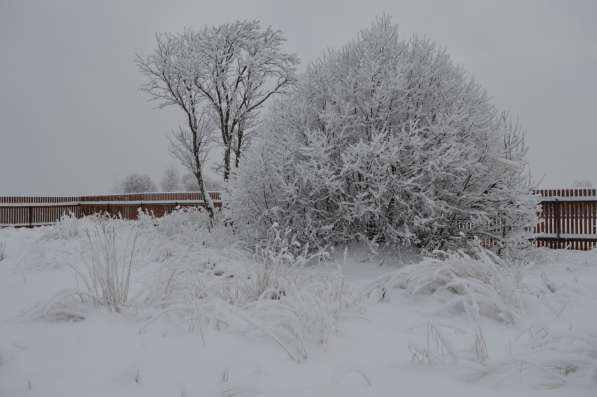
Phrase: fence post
x=31 y=216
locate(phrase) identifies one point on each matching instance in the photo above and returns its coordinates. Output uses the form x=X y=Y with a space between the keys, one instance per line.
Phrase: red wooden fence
x=36 y=211
x=568 y=217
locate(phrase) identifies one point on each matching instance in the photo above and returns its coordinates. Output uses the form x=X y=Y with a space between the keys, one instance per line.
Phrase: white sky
x=72 y=119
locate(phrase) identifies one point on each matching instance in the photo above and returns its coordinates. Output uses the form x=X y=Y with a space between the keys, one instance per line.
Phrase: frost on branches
x=226 y=72
x=387 y=140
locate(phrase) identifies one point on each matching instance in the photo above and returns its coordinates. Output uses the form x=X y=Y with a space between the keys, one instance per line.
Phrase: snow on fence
x=568 y=218
x=32 y=211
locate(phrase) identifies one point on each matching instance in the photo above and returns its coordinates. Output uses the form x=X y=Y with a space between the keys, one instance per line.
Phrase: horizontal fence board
x=143 y=202
x=26 y=224
x=44 y=205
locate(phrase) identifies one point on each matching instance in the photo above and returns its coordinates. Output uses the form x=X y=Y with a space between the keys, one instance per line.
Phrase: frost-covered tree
x=386 y=140
x=137 y=183
x=233 y=68
x=170 y=76
x=170 y=180
x=240 y=66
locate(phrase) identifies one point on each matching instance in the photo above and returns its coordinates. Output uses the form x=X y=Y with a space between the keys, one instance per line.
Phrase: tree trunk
x=209 y=205
x=237 y=157
x=227 y=151
x=239 y=142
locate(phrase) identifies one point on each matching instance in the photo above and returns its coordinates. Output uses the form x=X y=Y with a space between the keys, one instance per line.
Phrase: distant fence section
x=29 y=211
x=568 y=218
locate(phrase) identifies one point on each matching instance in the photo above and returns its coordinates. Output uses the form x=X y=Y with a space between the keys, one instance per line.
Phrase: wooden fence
x=568 y=219
x=568 y=216
x=32 y=211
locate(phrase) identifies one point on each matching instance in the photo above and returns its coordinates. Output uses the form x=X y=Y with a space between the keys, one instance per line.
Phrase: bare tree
x=171 y=180
x=137 y=183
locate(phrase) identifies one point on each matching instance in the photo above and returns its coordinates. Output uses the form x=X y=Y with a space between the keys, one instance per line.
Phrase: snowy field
x=204 y=316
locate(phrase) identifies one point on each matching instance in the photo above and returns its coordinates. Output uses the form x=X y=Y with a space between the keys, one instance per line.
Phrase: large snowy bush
x=387 y=140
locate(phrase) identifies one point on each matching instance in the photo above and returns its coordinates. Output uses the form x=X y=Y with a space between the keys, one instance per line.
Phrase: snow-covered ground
x=199 y=321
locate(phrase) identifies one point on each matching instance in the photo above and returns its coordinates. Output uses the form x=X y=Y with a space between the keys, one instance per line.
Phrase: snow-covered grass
x=480 y=284
x=204 y=315
x=109 y=274
x=276 y=292
x=106 y=264
x=2 y=250
x=556 y=358
x=483 y=284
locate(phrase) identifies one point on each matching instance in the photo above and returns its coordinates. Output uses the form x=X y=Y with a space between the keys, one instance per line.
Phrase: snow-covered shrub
x=386 y=140
x=67 y=228
x=2 y=250
x=263 y=275
x=110 y=253
x=184 y=219
x=483 y=284
x=187 y=219
x=280 y=258
x=292 y=303
x=186 y=229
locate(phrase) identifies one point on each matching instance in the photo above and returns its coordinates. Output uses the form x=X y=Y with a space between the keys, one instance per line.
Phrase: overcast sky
x=72 y=119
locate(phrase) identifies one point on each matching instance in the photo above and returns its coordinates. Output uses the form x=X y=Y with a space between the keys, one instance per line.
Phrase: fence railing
x=29 y=211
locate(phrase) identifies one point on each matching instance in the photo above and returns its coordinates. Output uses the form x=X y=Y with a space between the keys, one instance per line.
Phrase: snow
x=371 y=348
